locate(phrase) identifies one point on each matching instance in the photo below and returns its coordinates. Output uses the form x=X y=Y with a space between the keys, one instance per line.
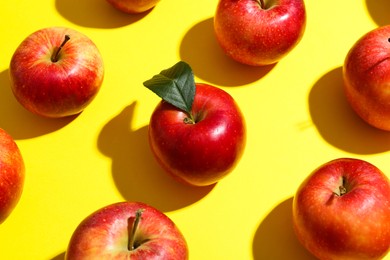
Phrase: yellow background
x=296 y=116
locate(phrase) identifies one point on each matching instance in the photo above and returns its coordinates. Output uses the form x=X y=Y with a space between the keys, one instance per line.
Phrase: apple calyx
x=55 y=56
x=132 y=244
x=176 y=85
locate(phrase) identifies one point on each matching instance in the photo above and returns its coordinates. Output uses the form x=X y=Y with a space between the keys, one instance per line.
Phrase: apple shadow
x=59 y=257
x=275 y=238
x=337 y=123
x=135 y=172
x=379 y=11
x=95 y=14
x=200 y=49
x=20 y=123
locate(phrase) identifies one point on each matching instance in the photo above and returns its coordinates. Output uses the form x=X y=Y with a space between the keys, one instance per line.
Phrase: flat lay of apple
x=133 y=6
x=197 y=132
x=56 y=72
x=366 y=74
x=208 y=129
x=12 y=175
x=259 y=32
x=342 y=211
x=127 y=230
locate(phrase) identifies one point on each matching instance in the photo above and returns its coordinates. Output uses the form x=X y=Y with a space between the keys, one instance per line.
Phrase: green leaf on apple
x=175 y=85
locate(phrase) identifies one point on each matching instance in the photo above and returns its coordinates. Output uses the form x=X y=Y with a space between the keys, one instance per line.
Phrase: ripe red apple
x=200 y=144
x=12 y=173
x=202 y=150
x=133 y=6
x=56 y=72
x=342 y=211
x=366 y=74
x=259 y=32
x=127 y=230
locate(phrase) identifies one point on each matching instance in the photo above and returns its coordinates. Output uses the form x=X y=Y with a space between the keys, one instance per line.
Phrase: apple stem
x=342 y=189
x=189 y=120
x=131 y=246
x=54 y=57
x=262 y=5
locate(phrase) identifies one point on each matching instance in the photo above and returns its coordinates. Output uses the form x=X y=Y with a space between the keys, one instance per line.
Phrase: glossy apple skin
x=366 y=74
x=199 y=154
x=355 y=225
x=12 y=174
x=56 y=89
x=105 y=233
x=259 y=36
x=133 y=6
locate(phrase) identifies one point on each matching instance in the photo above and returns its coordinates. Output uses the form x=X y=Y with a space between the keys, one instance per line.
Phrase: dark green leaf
x=175 y=85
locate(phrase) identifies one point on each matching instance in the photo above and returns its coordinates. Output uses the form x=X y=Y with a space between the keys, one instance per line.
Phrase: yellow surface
x=297 y=119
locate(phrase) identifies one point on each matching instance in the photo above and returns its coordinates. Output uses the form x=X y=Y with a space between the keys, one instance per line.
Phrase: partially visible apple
x=127 y=230
x=366 y=74
x=342 y=211
x=56 y=72
x=202 y=143
x=133 y=6
x=259 y=32
x=12 y=174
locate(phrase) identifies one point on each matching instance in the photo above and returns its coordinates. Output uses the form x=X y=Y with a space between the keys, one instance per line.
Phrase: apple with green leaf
x=12 y=174
x=127 y=230
x=342 y=211
x=56 y=72
x=133 y=6
x=259 y=32
x=197 y=132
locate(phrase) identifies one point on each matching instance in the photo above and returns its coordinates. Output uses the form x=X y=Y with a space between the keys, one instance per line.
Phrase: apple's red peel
x=54 y=58
x=132 y=245
x=133 y=6
x=373 y=67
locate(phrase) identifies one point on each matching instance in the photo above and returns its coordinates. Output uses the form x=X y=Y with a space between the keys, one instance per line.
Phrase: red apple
x=56 y=72
x=342 y=211
x=197 y=132
x=201 y=151
x=133 y=6
x=127 y=230
x=11 y=175
x=259 y=32
x=366 y=74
